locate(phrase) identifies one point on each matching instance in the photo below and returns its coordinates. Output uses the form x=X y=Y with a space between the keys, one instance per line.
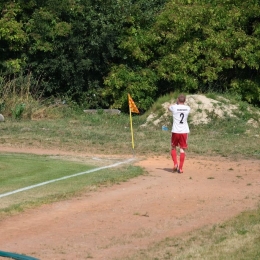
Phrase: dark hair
x=182 y=98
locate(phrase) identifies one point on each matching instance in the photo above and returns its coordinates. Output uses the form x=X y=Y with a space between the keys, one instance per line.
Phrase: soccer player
x=180 y=131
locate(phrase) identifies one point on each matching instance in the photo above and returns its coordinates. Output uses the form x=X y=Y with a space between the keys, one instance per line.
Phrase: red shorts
x=180 y=140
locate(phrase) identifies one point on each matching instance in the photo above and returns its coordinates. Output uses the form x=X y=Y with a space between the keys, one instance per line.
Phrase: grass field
x=102 y=133
x=19 y=171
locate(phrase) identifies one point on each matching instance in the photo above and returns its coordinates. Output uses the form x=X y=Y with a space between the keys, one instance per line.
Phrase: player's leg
x=174 y=152
x=183 y=147
x=174 y=158
x=182 y=158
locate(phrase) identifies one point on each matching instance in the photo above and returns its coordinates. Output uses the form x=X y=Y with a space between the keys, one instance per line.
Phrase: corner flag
x=132 y=106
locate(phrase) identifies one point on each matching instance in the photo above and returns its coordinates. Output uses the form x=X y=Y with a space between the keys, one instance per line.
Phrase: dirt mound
x=203 y=110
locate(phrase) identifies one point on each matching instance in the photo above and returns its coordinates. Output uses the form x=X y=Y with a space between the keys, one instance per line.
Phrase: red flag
x=132 y=106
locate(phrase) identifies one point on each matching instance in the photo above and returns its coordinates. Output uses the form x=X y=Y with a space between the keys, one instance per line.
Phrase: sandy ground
x=116 y=221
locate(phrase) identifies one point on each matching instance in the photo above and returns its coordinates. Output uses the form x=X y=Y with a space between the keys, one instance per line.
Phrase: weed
x=212 y=95
x=18 y=111
x=88 y=256
x=242 y=232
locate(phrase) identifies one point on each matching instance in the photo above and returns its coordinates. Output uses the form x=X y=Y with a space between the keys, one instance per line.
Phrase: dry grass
x=235 y=239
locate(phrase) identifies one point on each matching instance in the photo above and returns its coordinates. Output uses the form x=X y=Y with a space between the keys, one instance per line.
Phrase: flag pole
x=132 y=108
x=132 y=132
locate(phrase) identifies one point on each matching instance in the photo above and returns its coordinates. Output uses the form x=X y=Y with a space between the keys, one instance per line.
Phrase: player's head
x=182 y=98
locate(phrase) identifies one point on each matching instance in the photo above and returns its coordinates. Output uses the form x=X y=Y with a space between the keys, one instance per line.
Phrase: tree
x=194 y=46
x=73 y=44
x=12 y=39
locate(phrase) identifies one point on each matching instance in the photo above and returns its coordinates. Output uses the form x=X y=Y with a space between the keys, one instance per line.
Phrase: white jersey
x=180 y=115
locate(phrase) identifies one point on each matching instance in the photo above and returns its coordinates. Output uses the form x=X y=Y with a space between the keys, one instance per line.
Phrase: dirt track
x=116 y=221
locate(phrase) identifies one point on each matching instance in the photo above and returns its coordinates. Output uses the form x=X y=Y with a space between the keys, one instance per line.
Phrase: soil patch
x=116 y=221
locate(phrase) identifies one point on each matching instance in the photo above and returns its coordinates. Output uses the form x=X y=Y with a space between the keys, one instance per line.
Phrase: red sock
x=174 y=157
x=182 y=158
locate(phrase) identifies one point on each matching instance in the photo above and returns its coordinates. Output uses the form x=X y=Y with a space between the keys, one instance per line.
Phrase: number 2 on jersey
x=182 y=116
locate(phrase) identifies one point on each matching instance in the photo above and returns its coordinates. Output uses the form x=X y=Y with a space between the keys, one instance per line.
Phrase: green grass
x=20 y=171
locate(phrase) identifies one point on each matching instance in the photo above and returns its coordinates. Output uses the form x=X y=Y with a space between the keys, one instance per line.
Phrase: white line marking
x=64 y=178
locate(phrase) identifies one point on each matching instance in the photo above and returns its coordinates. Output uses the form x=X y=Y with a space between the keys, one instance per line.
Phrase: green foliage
x=98 y=51
x=140 y=85
x=12 y=38
x=200 y=46
x=72 y=45
x=18 y=111
x=44 y=28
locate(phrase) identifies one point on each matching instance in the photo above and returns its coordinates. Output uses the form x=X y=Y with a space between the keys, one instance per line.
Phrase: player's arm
x=169 y=107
